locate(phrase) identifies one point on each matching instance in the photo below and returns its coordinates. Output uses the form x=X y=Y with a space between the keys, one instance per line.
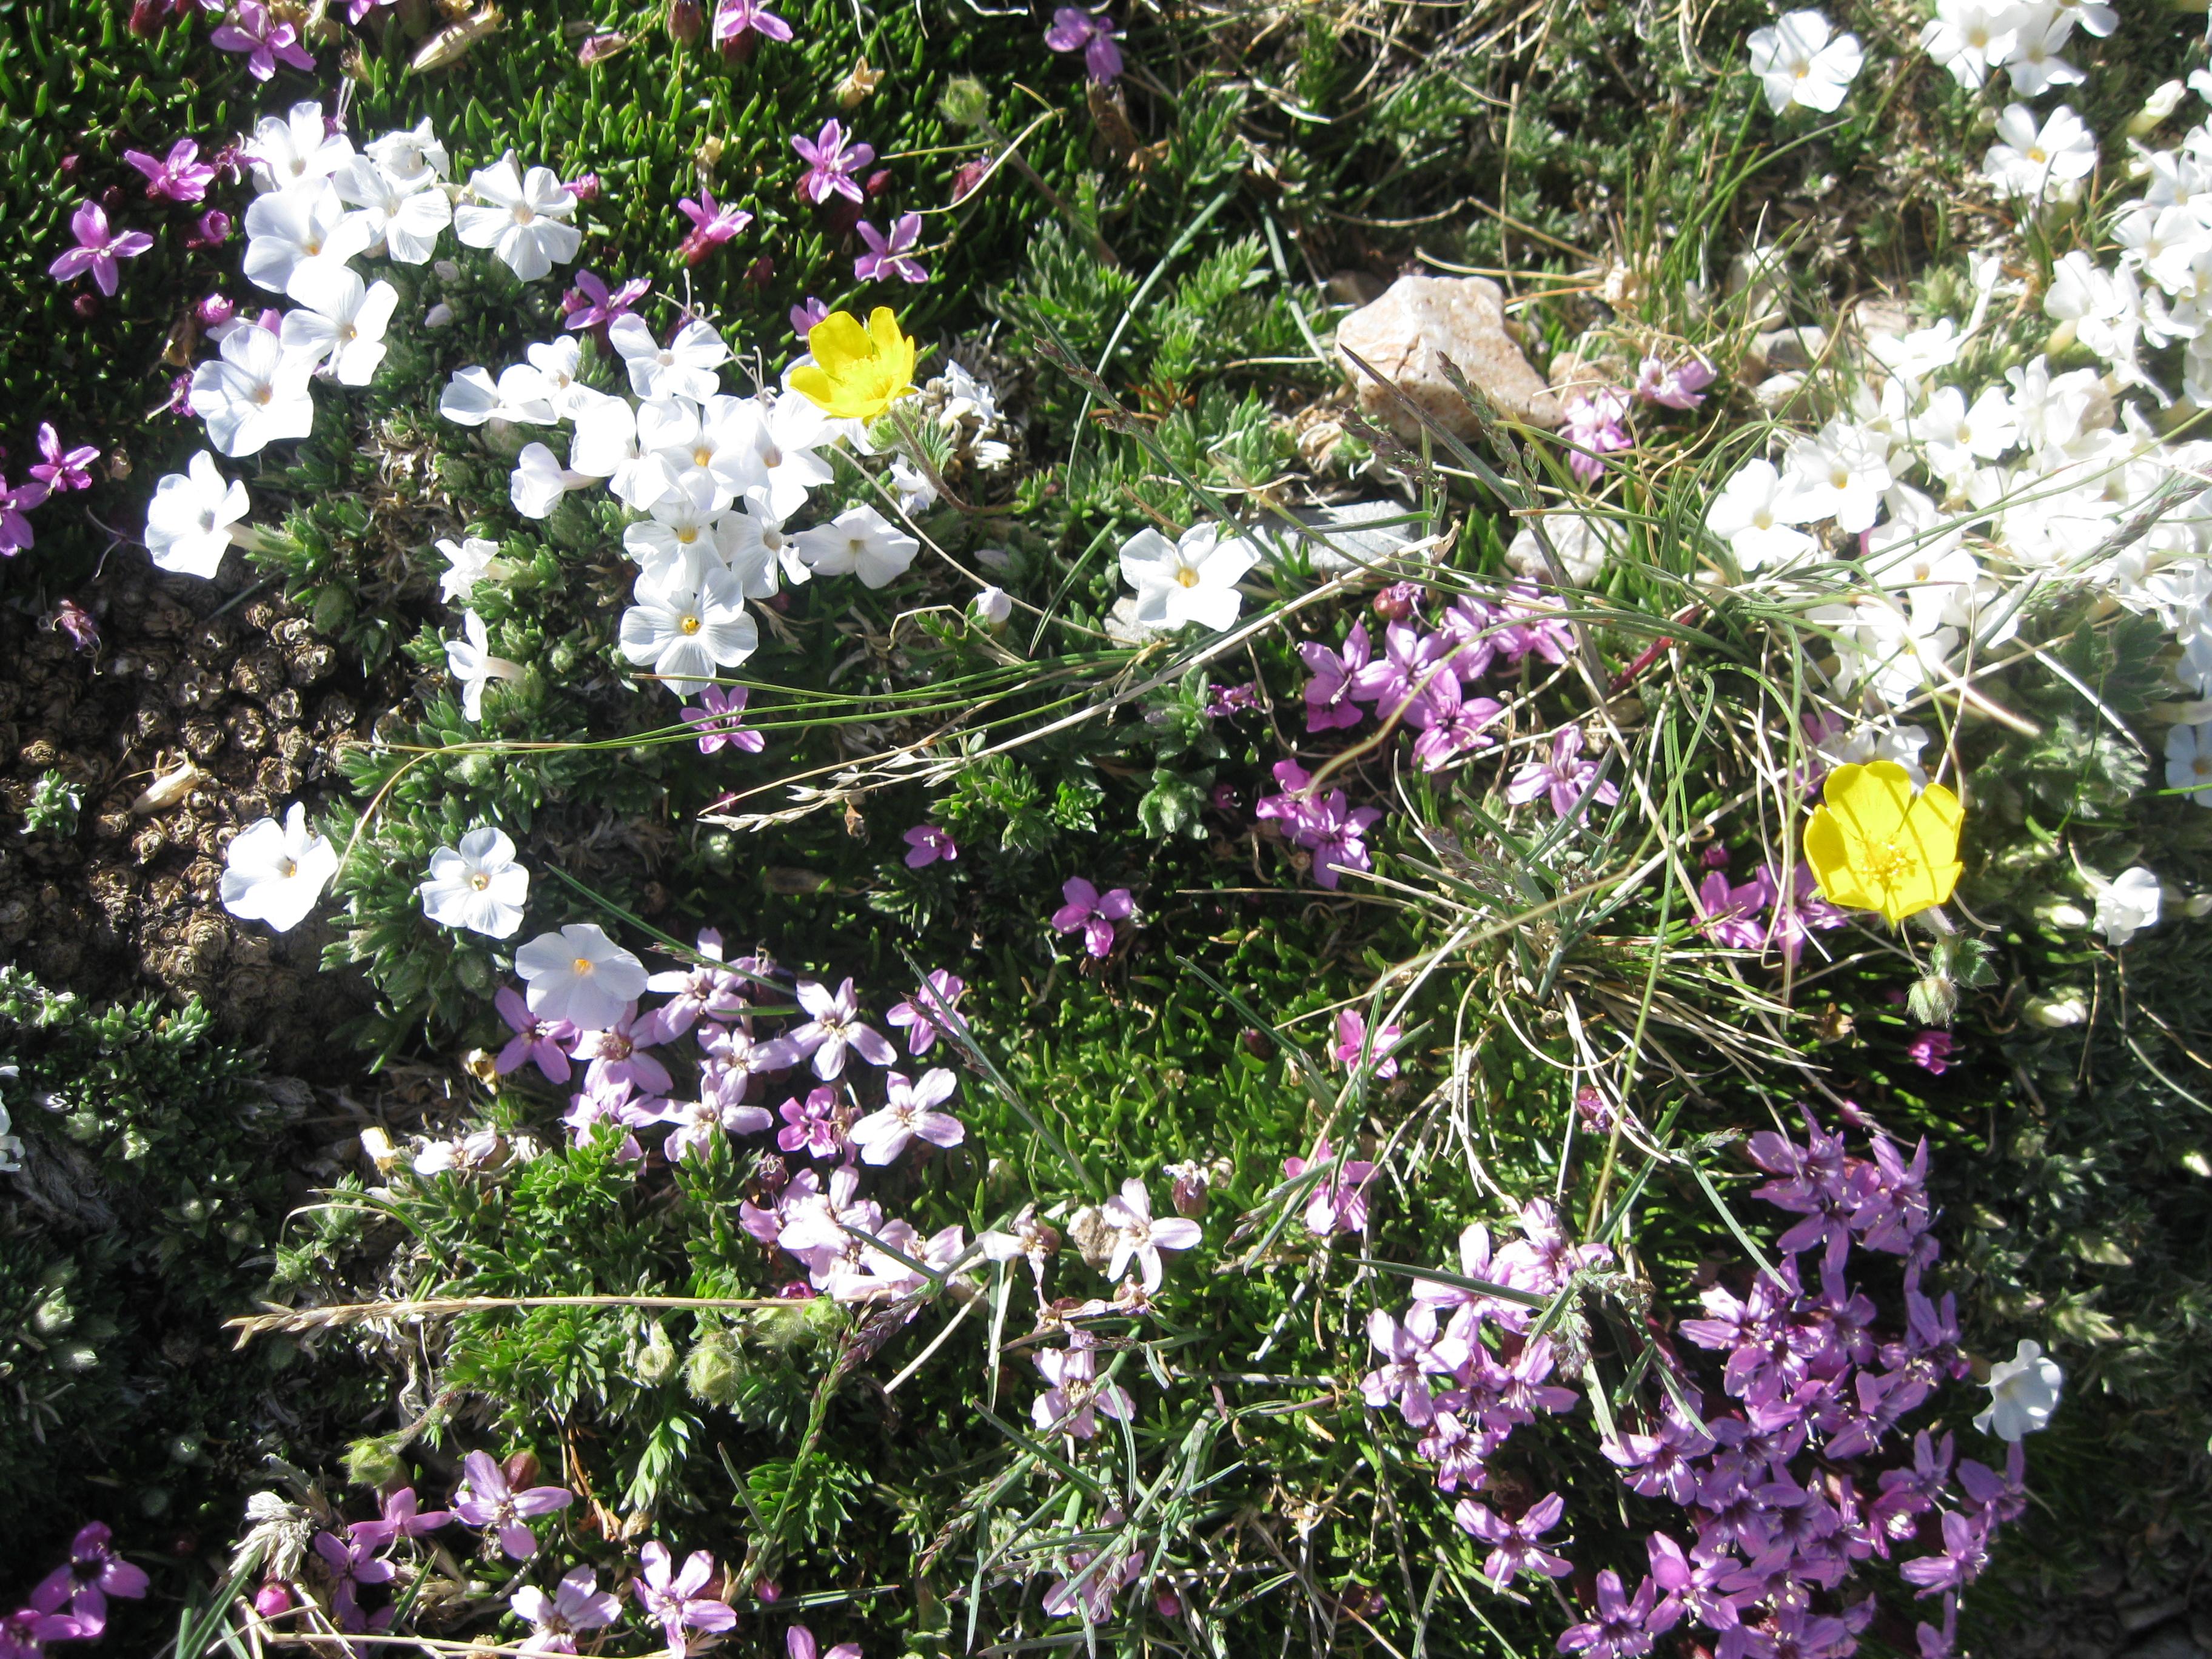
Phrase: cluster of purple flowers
x=70 y=1604
x=835 y=163
x=1597 y=423
x=56 y=469
x=1766 y=912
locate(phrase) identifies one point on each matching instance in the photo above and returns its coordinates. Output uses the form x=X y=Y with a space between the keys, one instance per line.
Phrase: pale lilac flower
x=1623 y=1624
x=402 y=1517
x=1674 y=386
x=1596 y=427
x=1514 y=1548
x=832 y=160
x=62 y=469
x=812 y=1126
x=97 y=248
x=1411 y=1353
x=1329 y=692
x=264 y=38
x=485 y=1499
x=1091 y=33
x=889 y=256
x=1566 y=779
x=577 y=1604
x=735 y=19
x=178 y=177
x=711 y=225
x=1965 y=1553
x=1799 y=910
x=926 y=843
x=590 y=304
x=1137 y=1235
x=834 y=1026
x=1092 y=912
x=1409 y=658
x=95 y=1571
x=353 y=1561
x=928 y=1013
x=908 y=1113
x=719 y=719
x=1351 y=1046
x=807 y=312
x=598 y=48
x=1338 y=1201
x=700 y=1123
x=540 y=1043
x=672 y=1599
x=618 y=1054
x=1071 y=1404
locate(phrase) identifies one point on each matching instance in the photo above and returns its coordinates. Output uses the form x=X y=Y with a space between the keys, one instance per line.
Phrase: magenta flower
x=1596 y=425
x=672 y=1599
x=543 y=1043
x=927 y=1014
x=798 y=1641
x=1409 y=658
x=832 y=160
x=94 y=1572
x=1623 y=1624
x=1411 y=1353
x=807 y=312
x=213 y=230
x=1514 y=1548
x=25 y=1632
x=1091 y=33
x=735 y=19
x=577 y=1604
x=1565 y=778
x=1338 y=1201
x=711 y=226
x=888 y=256
x=1964 y=1554
x=485 y=1499
x=353 y=1562
x=15 y=528
x=589 y=304
x=401 y=1519
x=1352 y=1044
x=1450 y=724
x=1799 y=910
x=1732 y=913
x=1338 y=838
x=812 y=1126
x=1329 y=692
x=63 y=469
x=834 y=1025
x=181 y=177
x=1674 y=385
x=619 y=1054
x=926 y=843
x=598 y=48
x=1092 y=912
x=720 y=722
x=257 y=33
x=1931 y=1051
x=97 y=249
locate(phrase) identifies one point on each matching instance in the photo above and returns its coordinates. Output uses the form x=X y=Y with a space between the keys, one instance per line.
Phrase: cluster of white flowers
x=1970 y=38
x=1800 y=60
x=320 y=205
x=714 y=478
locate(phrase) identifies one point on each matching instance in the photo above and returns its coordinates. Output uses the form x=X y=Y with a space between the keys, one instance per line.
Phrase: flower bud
x=715 y=1371
x=2057 y=1013
x=993 y=607
x=272 y=1599
x=963 y=102
x=2157 y=107
x=685 y=19
x=374 y=1460
x=656 y=1360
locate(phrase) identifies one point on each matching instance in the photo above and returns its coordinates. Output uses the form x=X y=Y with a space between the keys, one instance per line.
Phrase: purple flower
x=1514 y=1548
x=1998 y=1498
x=1391 y=681
x=73 y=620
x=672 y=1599
x=1931 y=1051
x=1965 y=1553
x=618 y=1054
x=798 y=1641
x=213 y=230
x=711 y=226
x=832 y=160
x=1071 y=1404
x=1799 y=911
x=1337 y=841
x=834 y=1025
x=94 y=1572
x=735 y=19
x=1596 y=427
x=1329 y=692
x=485 y=1499
x=97 y=248
x=1676 y=386
x=401 y=1519
x=1351 y=1047
x=353 y=1562
x=926 y=843
x=1566 y=778
x=1293 y=809
x=62 y=469
x=1623 y=1624
x=544 y=1043
x=706 y=990
x=1661 y=1463
x=257 y=33
x=1091 y=33
x=181 y=177
x=598 y=48
x=1450 y=725
x=589 y=304
x=1093 y=913
x=577 y=1604
x=811 y=1126
x=719 y=719
x=1731 y=916
x=929 y=1013
x=25 y=1632
x=1411 y=1353
x=910 y=1112
x=888 y=256
x=1222 y=701
x=1694 y=1589
x=15 y=528
x=806 y=315
x=1531 y=627
x=1337 y=1202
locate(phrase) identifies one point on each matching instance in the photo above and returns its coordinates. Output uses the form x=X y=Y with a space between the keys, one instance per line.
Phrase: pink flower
x=1091 y=33
x=94 y=1572
x=834 y=1025
x=798 y=1641
x=928 y=1013
x=908 y=1113
x=1337 y=1202
x=1072 y=1402
x=1731 y=914
x=926 y=843
x=589 y=304
x=577 y=1604
x=1329 y=693
x=254 y=31
x=619 y=1054
x=811 y=1126
x=181 y=177
x=1351 y=1045
x=485 y=1499
x=803 y=315
x=1092 y=912
x=97 y=249
x=831 y=161
x=213 y=230
x=734 y=18
x=15 y=528
x=711 y=226
x=543 y=1043
x=672 y=1599
x=1931 y=1051
x=1674 y=385
x=718 y=719
x=1514 y=1548
x=598 y=48
x=1596 y=426
x=1564 y=779
x=63 y=469
x=888 y=256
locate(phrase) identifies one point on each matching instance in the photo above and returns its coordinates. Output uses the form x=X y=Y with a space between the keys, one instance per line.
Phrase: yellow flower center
x=701 y=455
x=287 y=868
x=480 y=881
x=582 y=965
x=1187 y=575
x=688 y=625
x=687 y=535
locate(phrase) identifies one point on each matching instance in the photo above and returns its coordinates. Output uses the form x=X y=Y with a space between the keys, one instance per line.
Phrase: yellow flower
x=1877 y=845
x=857 y=372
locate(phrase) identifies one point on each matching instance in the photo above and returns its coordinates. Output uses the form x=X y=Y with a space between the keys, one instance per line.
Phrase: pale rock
x=1781 y=348
x=1419 y=318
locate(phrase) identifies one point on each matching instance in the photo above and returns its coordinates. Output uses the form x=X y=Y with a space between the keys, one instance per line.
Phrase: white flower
x=255 y=393
x=1916 y=356
x=1136 y=1234
x=285 y=231
x=461 y=1154
x=1969 y=37
x=991 y=607
x=275 y=873
x=11 y=1145
x=2058 y=1013
x=1954 y=437
x=1900 y=744
x=1882 y=646
x=540 y=481
x=859 y=542
x=2035 y=66
x=1752 y=514
x=479 y=886
x=684 y=367
x=1839 y=475
x=410 y=154
x=1191 y=580
x=344 y=321
x=909 y=1111
x=606 y=446
x=466 y=561
x=2029 y=160
x=1580 y=544
x=2103 y=305
x=469 y=660
x=294 y=149
x=2023 y=1394
x=2126 y=904
x=776 y=444
x=1797 y=62
x=916 y=494
x=555 y=362
x=681 y=531
x=2189 y=760
x=686 y=624
x=404 y=217
x=521 y=218
x=580 y=976
x=188 y=521
x=754 y=546
x=704 y=463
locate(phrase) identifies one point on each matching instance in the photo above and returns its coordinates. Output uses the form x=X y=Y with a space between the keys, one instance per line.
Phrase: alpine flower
x=1566 y=779
x=1139 y=1237
x=254 y=394
x=832 y=160
x=1091 y=33
x=188 y=521
x=686 y=624
x=97 y=248
x=711 y=225
x=469 y=661
x=908 y=1113
x=275 y=873
x=62 y=469
x=719 y=720
x=857 y=372
x=1192 y=579
x=927 y=1014
x=180 y=176
x=341 y=320
x=580 y=976
x=1876 y=845
x=926 y=843
x=577 y=1604
x=1800 y=60
x=890 y=256
x=673 y=1600
x=1092 y=913
x=589 y=304
x=859 y=542
x=486 y=1500
x=478 y=885
x=264 y=38
x=735 y=19
x=521 y=217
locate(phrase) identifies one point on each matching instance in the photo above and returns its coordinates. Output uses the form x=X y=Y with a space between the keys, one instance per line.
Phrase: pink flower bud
x=216 y=310
x=272 y=1599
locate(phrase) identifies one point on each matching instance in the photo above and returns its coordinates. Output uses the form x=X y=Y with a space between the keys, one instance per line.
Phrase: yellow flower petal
x=1876 y=845
x=858 y=372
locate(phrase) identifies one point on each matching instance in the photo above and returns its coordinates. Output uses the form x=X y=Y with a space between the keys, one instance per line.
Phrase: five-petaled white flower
x=2126 y=904
x=342 y=321
x=469 y=660
x=274 y=872
x=296 y=149
x=909 y=1113
x=1802 y=60
x=859 y=542
x=466 y=561
x=688 y=621
x=404 y=216
x=411 y=152
x=2023 y=1394
x=580 y=976
x=539 y=481
x=521 y=217
x=778 y=464
x=1136 y=1234
x=285 y=232
x=2039 y=161
x=479 y=886
x=188 y=521
x=1754 y=514
x=254 y=393
x=1192 y=579
x=684 y=367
